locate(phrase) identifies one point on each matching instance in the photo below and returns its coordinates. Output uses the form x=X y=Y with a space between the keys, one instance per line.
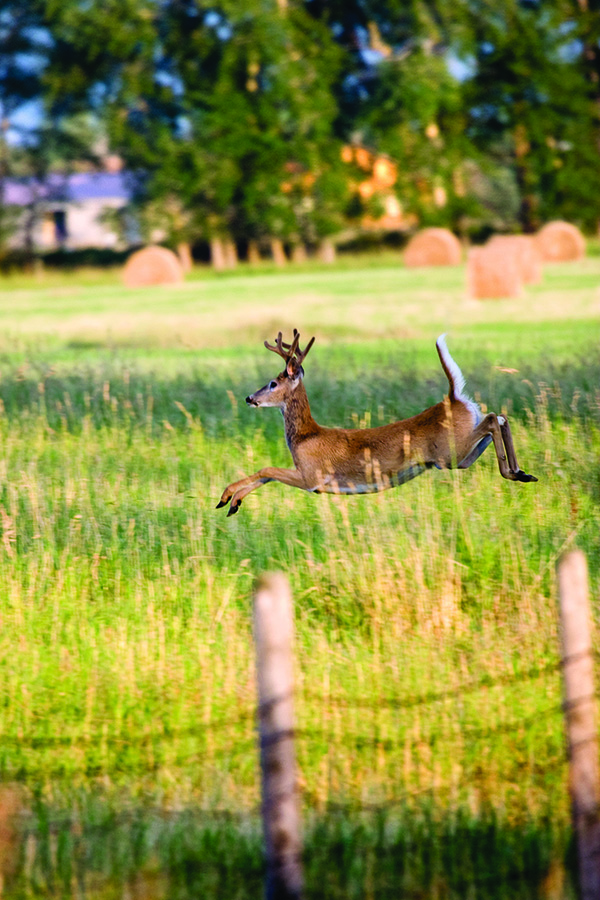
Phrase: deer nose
x=250 y=400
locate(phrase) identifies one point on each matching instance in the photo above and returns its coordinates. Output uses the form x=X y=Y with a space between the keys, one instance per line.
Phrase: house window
x=60 y=226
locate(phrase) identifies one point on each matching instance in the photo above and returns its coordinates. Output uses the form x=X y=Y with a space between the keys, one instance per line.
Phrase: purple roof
x=67 y=188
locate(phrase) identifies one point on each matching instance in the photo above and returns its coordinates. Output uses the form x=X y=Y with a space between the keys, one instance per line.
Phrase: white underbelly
x=331 y=485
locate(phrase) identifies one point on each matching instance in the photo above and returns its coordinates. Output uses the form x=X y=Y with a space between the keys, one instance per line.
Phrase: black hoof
x=523 y=476
x=233 y=509
x=221 y=503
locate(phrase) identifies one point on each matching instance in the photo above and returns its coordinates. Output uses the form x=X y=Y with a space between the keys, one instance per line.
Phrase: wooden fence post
x=273 y=637
x=581 y=717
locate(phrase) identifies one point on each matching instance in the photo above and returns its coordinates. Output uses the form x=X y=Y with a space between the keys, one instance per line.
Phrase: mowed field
x=427 y=650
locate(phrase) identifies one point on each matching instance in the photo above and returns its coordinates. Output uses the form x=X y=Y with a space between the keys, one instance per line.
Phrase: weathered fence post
x=273 y=636
x=581 y=717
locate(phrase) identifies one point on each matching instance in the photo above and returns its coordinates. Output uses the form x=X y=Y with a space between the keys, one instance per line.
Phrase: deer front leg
x=499 y=429
x=234 y=493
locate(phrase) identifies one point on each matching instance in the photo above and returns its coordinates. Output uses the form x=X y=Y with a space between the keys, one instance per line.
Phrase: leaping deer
x=451 y=434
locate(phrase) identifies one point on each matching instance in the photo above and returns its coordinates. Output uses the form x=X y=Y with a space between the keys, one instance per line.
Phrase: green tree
x=23 y=55
x=210 y=106
x=41 y=72
x=257 y=113
x=230 y=116
x=512 y=90
x=530 y=107
x=399 y=96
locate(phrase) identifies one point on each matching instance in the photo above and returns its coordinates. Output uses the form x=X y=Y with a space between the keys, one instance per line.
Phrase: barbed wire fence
x=283 y=797
x=273 y=618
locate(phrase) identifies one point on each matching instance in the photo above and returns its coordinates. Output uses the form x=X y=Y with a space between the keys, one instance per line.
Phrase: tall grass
x=420 y=854
x=427 y=655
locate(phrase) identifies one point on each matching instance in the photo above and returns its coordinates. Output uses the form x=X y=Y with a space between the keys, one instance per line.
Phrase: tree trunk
x=528 y=204
x=217 y=254
x=299 y=253
x=253 y=253
x=279 y=257
x=327 y=251
x=184 y=252
x=231 y=255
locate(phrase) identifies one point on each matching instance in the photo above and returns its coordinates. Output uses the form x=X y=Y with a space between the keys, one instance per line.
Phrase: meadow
x=430 y=736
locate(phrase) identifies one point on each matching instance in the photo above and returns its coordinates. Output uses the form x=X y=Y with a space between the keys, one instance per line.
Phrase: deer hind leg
x=475 y=453
x=496 y=428
x=235 y=492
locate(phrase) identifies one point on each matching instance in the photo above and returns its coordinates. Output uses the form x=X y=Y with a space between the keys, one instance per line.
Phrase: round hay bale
x=560 y=242
x=491 y=273
x=526 y=253
x=152 y=265
x=433 y=247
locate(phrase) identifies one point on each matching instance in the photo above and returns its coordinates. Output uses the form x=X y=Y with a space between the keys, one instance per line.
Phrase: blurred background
x=271 y=129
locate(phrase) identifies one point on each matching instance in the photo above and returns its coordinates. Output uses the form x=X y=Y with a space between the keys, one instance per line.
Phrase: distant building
x=67 y=211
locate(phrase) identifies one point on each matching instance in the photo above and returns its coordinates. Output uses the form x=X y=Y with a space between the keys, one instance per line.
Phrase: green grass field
x=430 y=736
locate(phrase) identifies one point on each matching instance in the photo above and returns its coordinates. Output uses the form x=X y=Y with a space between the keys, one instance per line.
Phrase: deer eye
x=273 y=385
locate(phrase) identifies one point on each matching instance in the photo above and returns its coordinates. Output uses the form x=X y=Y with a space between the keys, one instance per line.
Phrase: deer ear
x=294 y=371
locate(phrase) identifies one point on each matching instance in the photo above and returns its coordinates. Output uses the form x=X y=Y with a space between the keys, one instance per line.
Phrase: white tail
x=451 y=434
x=456 y=379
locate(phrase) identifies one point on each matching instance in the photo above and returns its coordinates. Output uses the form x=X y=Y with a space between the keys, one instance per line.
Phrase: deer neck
x=297 y=417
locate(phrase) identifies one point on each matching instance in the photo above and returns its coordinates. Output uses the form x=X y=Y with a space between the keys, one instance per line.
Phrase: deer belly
x=372 y=485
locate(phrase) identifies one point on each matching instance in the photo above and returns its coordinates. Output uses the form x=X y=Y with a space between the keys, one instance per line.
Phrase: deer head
x=277 y=392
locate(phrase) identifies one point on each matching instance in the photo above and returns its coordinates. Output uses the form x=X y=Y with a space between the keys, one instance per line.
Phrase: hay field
x=427 y=650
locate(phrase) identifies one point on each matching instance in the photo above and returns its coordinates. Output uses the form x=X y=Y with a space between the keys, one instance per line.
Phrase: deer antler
x=292 y=351
x=286 y=351
x=300 y=354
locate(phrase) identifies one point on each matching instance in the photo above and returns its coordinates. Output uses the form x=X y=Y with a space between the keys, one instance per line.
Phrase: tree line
x=232 y=117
